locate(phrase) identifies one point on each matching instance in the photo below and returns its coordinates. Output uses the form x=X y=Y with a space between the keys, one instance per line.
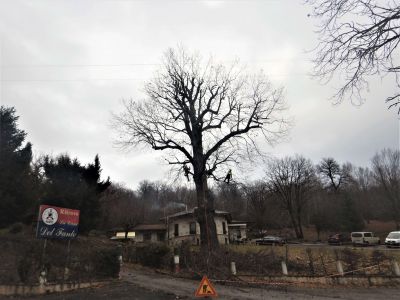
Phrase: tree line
x=293 y=193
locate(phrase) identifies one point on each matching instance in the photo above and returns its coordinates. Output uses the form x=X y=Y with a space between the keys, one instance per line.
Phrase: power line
x=272 y=60
x=123 y=79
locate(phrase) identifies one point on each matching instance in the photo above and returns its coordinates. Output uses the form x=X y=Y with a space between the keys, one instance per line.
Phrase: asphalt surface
x=325 y=245
x=117 y=290
x=139 y=284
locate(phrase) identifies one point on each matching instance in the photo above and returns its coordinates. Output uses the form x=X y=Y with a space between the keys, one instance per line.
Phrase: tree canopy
x=205 y=115
x=17 y=190
x=358 y=39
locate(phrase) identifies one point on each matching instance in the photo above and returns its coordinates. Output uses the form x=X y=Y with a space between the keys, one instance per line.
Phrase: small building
x=150 y=232
x=237 y=231
x=183 y=226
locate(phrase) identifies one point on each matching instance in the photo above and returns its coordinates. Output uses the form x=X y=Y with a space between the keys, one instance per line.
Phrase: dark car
x=270 y=240
x=339 y=239
x=240 y=241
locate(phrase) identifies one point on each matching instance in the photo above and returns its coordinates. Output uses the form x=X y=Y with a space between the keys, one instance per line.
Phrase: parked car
x=364 y=238
x=270 y=240
x=338 y=239
x=393 y=239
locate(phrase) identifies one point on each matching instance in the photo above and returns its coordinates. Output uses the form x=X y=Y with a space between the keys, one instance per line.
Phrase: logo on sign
x=49 y=216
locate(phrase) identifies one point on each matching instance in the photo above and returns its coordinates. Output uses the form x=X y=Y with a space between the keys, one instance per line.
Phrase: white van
x=393 y=239
x=364 y=238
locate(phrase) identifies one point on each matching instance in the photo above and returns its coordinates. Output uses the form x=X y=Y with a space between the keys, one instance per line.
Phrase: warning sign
x=205 y=289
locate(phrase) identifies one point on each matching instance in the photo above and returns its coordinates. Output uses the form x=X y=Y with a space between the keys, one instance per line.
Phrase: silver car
x=393 y=239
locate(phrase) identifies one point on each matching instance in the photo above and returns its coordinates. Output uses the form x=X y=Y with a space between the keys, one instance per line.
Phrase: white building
x=180 y=227
x=183 y=226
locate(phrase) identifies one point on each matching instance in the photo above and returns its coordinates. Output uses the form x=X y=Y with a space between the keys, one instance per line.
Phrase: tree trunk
x=205 y=215
x=300 y=227
x=294 y=224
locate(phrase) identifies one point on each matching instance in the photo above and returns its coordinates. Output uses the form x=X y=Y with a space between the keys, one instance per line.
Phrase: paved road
x=145 y=285
x=119 y=291
x=185 y=289
x=323 y=245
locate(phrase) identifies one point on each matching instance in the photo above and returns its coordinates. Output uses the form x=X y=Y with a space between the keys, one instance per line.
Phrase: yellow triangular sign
x=205 y=289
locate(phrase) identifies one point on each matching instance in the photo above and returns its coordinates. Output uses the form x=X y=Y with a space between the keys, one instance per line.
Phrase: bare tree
x=120 y=208
x=205 y=116
x=386 y=170
x=359 y=38
x=332 y=174
x=292 y=180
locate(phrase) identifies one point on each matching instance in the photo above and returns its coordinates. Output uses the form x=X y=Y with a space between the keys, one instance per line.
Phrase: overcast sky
x=66 y=65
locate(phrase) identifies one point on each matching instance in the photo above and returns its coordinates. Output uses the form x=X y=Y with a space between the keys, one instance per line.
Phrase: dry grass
x=303 y=260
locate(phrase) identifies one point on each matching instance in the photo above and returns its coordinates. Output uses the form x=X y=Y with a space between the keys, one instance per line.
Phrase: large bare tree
x=358 y=39
x=206 y=117
x=292 y=179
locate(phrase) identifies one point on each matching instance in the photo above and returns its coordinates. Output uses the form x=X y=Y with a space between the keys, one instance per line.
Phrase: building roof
x=238 y=222
x=191 y=211
x=150 y=227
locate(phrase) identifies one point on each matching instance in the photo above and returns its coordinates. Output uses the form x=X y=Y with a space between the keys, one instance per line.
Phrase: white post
x=396 y=269
x=284 y=268
x=339 y=267
x=42 y=278
x=233 y=268
x=176 y=263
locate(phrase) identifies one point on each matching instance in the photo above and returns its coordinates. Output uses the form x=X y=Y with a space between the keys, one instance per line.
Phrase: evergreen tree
x=351 y=219
x=69 y=184
x=17 y=185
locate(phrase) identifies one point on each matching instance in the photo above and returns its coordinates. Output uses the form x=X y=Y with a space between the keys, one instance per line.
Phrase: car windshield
x=394 y=235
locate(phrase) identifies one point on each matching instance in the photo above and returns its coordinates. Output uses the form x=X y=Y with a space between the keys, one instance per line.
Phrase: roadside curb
x=37 y=289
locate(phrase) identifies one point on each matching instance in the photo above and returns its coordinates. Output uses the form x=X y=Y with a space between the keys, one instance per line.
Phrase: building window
x=223 y=227
x=192 y=228
x=147 y=236
x=161 y=236
x=176 y=230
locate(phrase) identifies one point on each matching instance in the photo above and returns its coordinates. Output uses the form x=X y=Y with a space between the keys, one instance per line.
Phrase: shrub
x=152 y=255
x=16 y=228
x=106 y=263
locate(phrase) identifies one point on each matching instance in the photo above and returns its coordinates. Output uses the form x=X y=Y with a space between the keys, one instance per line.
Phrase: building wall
x=154 y=237
x=184 y=230
x=236 y=231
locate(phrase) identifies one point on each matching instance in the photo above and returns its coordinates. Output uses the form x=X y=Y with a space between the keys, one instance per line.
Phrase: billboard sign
x=57 y=222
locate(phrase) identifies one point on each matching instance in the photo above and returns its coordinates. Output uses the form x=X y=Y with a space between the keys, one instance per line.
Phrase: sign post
x=56 y=223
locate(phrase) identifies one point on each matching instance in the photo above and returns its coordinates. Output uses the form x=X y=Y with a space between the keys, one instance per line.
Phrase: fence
x=23 y=261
